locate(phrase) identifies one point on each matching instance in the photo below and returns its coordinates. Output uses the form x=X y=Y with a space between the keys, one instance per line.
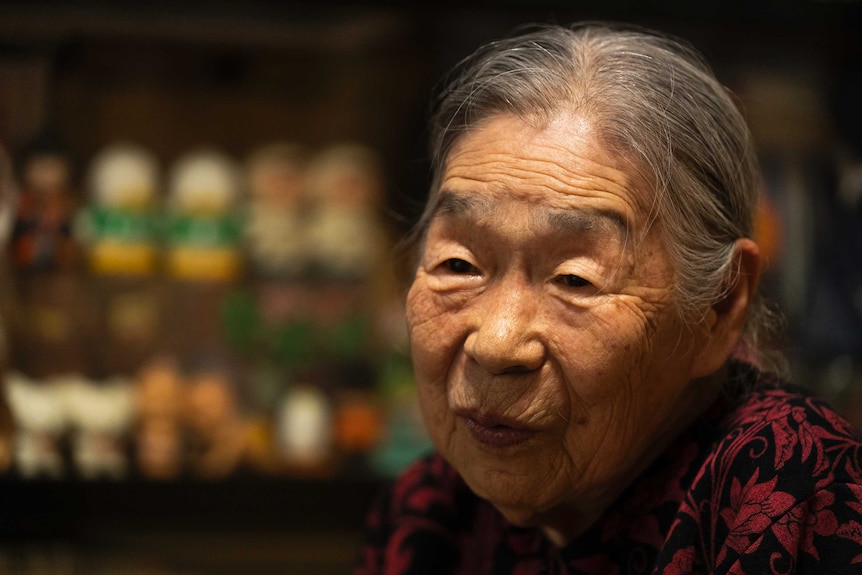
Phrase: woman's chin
x=561 y=523
x=518 y=516
x=519 y=503
x=516 y=503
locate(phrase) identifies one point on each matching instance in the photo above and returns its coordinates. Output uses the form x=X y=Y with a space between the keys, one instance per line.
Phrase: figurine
x=204 y=237
x=39 y=411
x=275 y=226
x=158 y=430
x=216 y=429
x=358 y=422
x=304 y=429
x=42 y=233
x=119 y=226
x=49 y=292
x=346 y=238
x=101 y=414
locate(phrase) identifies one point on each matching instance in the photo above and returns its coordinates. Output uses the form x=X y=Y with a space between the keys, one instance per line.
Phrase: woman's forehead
x=559 y=164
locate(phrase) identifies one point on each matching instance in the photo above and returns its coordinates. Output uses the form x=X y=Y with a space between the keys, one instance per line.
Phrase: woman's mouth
x=496 y=432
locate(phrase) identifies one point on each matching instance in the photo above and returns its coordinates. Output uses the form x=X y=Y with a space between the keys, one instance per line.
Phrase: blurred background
x=206 y=365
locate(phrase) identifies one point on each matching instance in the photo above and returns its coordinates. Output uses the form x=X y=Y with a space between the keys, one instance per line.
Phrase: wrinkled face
x=551 y=364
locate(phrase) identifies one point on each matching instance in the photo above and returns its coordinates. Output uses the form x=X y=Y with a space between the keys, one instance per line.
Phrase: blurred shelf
x=83 y=511
x=286 y=25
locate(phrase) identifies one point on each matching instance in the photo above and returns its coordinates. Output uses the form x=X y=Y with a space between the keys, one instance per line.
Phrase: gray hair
x=654 y=101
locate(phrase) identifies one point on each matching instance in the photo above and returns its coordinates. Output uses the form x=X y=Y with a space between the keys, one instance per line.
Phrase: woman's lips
x=497 y=432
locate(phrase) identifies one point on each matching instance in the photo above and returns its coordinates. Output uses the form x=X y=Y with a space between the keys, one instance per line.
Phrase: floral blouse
x=769 y=481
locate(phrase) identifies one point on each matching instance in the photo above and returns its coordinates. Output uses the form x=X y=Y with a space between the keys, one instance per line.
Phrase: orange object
x=358 y=425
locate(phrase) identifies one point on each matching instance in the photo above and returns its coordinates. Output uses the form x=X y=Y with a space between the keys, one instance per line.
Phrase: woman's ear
x=725 y=320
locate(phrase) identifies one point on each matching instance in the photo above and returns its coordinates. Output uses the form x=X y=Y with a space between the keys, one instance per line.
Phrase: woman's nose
x=505 y=338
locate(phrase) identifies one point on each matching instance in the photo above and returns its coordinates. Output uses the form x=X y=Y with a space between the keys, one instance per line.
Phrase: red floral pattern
x=769 y=482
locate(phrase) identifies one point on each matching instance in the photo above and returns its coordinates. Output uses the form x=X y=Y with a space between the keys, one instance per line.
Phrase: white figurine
x=204 y=236
x=39 y=411
x=304 y=429
x=119 y=224
x=346 y=237
x=101 y=414
x=274 y=229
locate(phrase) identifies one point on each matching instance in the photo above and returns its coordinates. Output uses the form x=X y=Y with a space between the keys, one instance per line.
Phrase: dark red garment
x=769 y=481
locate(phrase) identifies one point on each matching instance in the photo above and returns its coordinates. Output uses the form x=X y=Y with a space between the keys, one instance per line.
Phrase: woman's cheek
x=423 y=304
x=598 y=352
x=434 y=342
x=433 y=324
x=434 y=406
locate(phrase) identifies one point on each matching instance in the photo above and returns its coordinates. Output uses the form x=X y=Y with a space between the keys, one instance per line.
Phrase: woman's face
x=551 y=364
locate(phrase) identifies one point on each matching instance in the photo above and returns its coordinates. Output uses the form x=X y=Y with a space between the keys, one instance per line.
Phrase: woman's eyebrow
x=577 y=221
x=451 y=203
x=562 y=221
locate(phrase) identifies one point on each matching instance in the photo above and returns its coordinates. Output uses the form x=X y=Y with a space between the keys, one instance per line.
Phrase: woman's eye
x=460 y=267
x=573 y=281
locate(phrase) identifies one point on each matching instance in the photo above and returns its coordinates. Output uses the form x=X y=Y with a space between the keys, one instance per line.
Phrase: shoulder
x=781 y=431
x=783 y=477
x=757 y=396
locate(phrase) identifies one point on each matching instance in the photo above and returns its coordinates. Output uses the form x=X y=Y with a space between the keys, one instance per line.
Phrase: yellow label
x=206 y=264
x=110 y=258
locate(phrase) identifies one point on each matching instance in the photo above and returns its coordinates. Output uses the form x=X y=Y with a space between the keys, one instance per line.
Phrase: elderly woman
x=583 y=320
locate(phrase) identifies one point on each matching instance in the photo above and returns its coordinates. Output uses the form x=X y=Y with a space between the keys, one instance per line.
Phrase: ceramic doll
x=159 y=445
x=119 y=224
x=217 y=432
x=48 y=290
x=204 y=236
x=274 y=230
x=358 y=422
x=345 y=236
x=304 y=429
x=101 y=414
x=40 y=414
x=42 y=233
